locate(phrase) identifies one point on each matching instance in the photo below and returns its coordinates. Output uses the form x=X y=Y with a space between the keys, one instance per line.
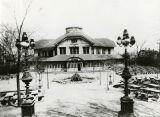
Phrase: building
x=151 y=53
x=74 y=51
x=148 y=57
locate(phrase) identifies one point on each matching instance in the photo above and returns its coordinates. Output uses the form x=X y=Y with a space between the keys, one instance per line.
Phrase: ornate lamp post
x=27 y=105
x=126 y=102
x=39 y=70
x=107 y=80
x=110 y=76
x=25 y=44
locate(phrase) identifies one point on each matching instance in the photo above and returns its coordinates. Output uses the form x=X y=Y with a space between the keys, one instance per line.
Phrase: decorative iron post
x=24 y=44
x=27 y=104
x=18 y=70
x=126 y=102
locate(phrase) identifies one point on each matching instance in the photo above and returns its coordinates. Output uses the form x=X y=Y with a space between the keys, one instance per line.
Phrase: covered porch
x=74 y=63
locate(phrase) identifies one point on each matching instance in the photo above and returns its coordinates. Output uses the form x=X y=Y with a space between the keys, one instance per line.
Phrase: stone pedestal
x=27 y=108
x=126 y=107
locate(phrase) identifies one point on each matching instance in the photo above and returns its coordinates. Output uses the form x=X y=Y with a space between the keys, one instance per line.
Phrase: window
x=39 y=54
x=109 y=50
x=62 y=50
x=74 y=50
x=92 y=50
x=85 y=50
x=68 y=65
x=74 y=40
x=97 y=51
x=44 y=53
x=50 y=53
x=103 y=51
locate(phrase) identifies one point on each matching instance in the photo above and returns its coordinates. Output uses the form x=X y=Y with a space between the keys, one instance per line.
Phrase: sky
x=98 y=18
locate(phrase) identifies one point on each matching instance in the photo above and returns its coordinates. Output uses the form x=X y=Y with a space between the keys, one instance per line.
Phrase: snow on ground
x=78 y=99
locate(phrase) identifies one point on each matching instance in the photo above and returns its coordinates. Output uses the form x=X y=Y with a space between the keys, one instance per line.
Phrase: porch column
x=80 y=50
x=67 y=51
x=90 y=50
x=58 y=51
x=94 y=50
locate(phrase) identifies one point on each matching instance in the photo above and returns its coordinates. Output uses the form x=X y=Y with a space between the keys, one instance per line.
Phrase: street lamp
x=25 y=44
x=110 y=76
x=107 y=80
x=39 y=70
x=126 y=102
x=27 y=105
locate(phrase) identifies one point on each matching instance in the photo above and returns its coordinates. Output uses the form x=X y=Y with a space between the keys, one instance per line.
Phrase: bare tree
x=9 y=34
x=139 y=47
x=7 y=40
x=19 y=26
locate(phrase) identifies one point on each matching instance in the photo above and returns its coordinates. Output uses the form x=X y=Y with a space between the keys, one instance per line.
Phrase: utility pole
x=18 y=70
x=107 y=80
x=47 y=78
x=158 y=57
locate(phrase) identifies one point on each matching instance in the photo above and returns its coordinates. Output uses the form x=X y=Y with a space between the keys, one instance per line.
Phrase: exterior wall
x=67 y=43
x=112 y=51
x=71 y=42
x=80 y=43
x=89 y=66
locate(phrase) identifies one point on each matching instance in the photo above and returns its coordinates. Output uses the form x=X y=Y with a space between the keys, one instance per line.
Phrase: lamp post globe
x=119 y=41
x=32 y=43
x=126 y=102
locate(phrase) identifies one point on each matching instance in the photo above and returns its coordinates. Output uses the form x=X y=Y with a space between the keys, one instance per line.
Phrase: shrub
x=76 y=77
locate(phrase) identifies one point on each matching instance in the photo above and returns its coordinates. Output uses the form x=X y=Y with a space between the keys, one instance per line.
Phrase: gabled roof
x=42 y=43
x=105 y=42
x=100 y=42
x=68 y=35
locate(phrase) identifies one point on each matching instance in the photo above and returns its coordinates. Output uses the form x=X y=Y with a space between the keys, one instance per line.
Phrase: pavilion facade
x=74 y=51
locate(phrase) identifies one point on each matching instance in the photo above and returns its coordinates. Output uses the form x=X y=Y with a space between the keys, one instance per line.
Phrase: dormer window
x=85 y=50
x=74 y=40
x=62 y=50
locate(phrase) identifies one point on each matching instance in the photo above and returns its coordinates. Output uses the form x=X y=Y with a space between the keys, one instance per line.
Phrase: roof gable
x=75 y=32
x=69 y=35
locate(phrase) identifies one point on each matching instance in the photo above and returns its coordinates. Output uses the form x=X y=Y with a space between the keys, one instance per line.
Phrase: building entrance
x=74 y=64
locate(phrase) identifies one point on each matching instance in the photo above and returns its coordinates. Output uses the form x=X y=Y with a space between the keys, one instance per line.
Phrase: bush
x=8 y=69
x=76 y=77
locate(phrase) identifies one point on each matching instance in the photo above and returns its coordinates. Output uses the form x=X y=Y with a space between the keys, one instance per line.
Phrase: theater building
x=73 y=51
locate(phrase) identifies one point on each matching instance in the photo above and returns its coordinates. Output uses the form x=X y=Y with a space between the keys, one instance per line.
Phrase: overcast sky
x=98 y=18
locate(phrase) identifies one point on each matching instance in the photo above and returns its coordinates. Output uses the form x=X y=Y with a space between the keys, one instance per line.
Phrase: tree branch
x=26 y=12
x=16 y=24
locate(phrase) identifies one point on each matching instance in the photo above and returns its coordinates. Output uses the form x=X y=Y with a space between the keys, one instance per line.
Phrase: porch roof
x=85 y=57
